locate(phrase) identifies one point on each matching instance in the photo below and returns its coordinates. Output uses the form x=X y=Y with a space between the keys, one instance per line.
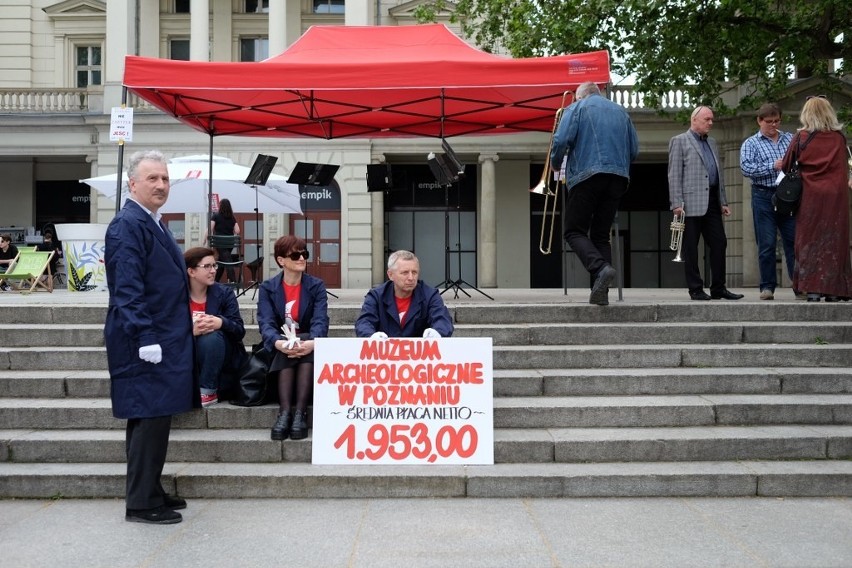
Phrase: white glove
x=430 y=333
x=151 y=353
x=290 y=335
x=379 y=335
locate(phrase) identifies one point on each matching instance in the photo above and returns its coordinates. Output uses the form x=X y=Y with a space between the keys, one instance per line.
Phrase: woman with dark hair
x=822 y=267
x=223 y=222
x=297 y=302
x=216 y=324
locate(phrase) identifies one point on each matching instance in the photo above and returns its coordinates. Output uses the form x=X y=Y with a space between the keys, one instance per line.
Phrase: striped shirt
x=758 y=155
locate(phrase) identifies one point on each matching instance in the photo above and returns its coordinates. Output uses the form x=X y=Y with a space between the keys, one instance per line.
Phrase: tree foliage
x=706 y=48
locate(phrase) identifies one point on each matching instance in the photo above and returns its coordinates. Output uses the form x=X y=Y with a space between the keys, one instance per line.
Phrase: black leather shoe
x=299 y=431
x=281 y=430
x=600 y=288
x=726 y=294
x=830 y=298
x=174 y=502
x=157 y=516
x=700 y=295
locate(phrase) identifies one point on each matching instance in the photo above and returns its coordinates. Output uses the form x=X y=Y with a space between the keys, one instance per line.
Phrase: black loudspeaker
x=379 y=177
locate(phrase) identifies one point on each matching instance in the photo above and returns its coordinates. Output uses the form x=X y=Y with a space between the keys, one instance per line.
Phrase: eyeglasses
x=298 y=254
x=213 y=266
x=815 y=97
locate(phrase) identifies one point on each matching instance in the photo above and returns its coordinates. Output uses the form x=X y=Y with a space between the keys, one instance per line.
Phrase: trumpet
x=548 y=189
x=678 y=226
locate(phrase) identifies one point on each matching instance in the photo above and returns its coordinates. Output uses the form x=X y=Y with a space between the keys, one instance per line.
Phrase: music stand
x=447 y=170
x=306 y=173
x=258 y=175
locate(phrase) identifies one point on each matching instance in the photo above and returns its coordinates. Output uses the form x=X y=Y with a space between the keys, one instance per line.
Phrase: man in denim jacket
x=599 y=141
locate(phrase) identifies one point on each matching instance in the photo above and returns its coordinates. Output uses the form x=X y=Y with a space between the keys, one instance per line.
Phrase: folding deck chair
x=27 y=270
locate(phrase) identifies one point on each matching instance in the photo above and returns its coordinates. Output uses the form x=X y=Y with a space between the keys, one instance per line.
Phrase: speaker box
x=379 y=177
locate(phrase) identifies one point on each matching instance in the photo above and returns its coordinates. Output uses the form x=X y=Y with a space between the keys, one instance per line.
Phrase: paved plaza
x=415 y=533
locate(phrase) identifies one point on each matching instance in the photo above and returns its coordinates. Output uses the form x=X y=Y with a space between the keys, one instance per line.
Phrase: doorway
x=321 y=231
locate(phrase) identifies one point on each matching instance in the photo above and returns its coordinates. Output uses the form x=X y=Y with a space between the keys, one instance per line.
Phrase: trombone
x=678 y=226
x=548 y=189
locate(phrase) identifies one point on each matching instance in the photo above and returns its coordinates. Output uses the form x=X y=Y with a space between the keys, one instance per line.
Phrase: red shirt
x=402 y=305
x=197 y=308
x=291 y=300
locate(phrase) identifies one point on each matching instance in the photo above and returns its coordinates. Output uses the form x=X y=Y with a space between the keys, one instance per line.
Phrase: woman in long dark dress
x=822 y=265
x=292 y=298
x=224 y=223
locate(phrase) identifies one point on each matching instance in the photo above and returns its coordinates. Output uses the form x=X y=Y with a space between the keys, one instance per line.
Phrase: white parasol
x=189 y=190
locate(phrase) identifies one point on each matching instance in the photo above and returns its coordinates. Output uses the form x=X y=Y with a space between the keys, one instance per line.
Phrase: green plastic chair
x=25 y=273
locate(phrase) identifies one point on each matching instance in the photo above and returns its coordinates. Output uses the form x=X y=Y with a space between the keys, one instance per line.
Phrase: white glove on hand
x=430 y=333
x=290 y=335
x=151 y=353
x=379 y=335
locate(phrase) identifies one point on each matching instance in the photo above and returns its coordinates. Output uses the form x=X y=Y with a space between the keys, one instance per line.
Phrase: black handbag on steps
x=252 y=383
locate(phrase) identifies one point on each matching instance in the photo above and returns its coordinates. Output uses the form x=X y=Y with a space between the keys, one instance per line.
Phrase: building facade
x=62 y=66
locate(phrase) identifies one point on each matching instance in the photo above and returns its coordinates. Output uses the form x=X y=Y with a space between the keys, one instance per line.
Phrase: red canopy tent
x=367 y=82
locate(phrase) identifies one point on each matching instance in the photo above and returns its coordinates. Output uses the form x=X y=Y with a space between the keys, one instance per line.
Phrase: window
x=181 y=6
x=254 y=49
x=88 y=66
x=257 y=6
x=329 y=7
x=179 y=49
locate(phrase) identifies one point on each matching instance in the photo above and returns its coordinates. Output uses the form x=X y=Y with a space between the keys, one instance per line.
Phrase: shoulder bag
x=788 y=195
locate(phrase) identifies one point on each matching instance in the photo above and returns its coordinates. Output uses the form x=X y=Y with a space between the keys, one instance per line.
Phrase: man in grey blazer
x=697 y=187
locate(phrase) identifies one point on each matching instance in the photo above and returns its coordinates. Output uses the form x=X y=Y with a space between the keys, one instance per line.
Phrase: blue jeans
x=211 y=352
x=767 y=225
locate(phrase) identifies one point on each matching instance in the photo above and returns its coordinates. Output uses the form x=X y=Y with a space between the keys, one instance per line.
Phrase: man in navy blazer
x=148 y=336
x=697 y=186
x=404 y=306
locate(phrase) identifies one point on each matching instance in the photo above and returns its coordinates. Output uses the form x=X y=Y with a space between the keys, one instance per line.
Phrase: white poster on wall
x=403 y=401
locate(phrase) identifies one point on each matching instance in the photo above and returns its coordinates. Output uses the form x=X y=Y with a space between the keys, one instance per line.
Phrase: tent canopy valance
x=367 y=82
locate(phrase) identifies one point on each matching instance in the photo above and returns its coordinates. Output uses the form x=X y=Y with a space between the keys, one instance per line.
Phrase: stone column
x=487 y=257
x=285 y=25
x=121 y=41
x=220 y=50
x=199 y=30
x=149 y=29
x=360 y=12
x=377 y=230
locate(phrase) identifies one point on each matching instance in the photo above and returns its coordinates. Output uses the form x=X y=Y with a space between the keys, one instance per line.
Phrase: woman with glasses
x=822 y=266
x=292 y=311
x=216 y=324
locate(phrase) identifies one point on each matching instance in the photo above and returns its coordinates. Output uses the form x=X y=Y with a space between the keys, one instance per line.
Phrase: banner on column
x=403 y=401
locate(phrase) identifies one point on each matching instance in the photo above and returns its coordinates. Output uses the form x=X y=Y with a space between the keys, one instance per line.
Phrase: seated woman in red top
x=216 y=324
x=297 y=301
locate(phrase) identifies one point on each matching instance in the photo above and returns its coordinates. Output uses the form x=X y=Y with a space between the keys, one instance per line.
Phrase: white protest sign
x=121 y=125
x=403 y=401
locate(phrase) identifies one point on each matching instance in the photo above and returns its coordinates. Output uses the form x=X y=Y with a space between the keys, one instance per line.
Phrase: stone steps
x=525 y=382
x=528 y=356
x=65 y=335
x=509 y=412
x=562 y=445
x=552 y=480
x=654 y=399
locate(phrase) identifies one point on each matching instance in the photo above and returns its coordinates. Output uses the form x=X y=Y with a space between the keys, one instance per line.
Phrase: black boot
x=281 y=430
x=299 y=430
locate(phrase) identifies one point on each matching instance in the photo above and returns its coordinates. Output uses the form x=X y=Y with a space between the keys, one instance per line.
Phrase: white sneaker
x=767 y=294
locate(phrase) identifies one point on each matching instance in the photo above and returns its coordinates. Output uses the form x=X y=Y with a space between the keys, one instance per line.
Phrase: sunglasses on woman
x=298 y=254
